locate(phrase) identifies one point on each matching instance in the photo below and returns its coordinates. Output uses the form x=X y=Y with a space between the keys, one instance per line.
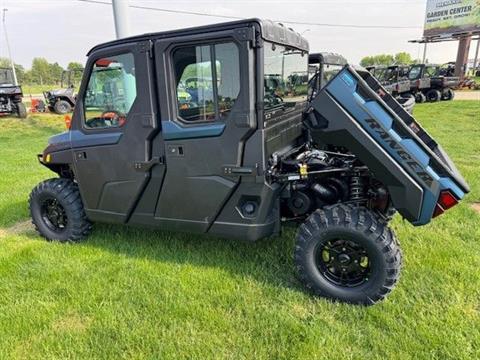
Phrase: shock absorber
x=356 y=187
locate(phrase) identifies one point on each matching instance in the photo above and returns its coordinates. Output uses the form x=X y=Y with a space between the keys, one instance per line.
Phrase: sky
x=64 y=30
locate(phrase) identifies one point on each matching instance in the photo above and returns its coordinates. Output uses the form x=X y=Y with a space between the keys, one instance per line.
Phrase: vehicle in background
x=432 y=82
x=62 y=100
x=11 y=95
x=394 y=79
x=467 y=82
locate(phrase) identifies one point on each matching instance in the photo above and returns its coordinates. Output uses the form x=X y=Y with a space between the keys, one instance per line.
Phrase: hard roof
x=327 y=58
x=270 y=31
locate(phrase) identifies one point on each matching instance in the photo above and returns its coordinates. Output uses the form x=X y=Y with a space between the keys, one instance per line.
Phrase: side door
x=206 y=83
x=113 y=123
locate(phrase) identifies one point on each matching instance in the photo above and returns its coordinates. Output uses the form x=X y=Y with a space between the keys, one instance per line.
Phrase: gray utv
x=394 y=79
x=240 y=150
x=432 y=82
x=11 y=95
x=62 y=101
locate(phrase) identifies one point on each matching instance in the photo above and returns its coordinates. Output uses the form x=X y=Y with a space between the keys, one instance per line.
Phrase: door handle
x=147 y=165
x=80 y=155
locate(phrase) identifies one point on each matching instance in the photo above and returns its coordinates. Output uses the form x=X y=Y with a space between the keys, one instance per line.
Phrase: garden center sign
x=448 y=17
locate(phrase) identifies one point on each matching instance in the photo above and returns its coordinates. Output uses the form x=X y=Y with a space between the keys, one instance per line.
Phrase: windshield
x=330 y=70
x=385 y=74
x=286 y=76
x=414 y=73
x=6 y=77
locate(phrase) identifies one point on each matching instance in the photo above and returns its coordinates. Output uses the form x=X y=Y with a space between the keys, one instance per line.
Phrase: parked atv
x=249 y=155
x=11 y=95
x=394 y=79
x=431 y=83
x=62 y=101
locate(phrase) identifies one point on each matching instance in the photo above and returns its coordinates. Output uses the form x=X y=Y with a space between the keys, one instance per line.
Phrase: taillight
x=418 y=83
x=445 y=201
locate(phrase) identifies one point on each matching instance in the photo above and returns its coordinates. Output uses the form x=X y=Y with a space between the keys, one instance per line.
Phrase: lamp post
x=8 y=47
x=120 y=16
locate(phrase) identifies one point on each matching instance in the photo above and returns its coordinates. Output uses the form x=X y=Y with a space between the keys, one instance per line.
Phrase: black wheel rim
x=54 y=215
x=343 y=262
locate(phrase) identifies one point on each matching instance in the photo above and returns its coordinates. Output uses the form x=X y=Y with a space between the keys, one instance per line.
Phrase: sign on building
x=447 y=17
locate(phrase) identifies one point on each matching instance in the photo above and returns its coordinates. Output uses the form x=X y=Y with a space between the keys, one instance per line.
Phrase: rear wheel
x=448 y=94
x=420 y=97
x=434 y=95
x=57 y=211
x=62 y=107
x=21 y=110
x=348 y=254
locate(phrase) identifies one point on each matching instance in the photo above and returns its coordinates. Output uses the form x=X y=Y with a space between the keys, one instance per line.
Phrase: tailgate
x=355 y=111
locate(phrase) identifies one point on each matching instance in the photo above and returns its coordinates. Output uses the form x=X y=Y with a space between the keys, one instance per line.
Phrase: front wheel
x=448 y=94
x=434 y=95
x=62 y=107
x=348 y=254
x=420 y=97
x=21 y=110
x=57 y=211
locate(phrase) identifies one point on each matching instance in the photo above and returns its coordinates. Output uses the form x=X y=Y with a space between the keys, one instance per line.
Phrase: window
x=330 y=71
x=111 y=92
x=207 y=81
x=6 y=77
x=286 y=76
x=414 y=73
x=431 y=71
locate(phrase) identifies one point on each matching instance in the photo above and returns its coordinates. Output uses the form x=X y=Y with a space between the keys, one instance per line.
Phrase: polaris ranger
x=11 y=95
x=62 y=101
x=432 y=82
x=239 y=160
x=394 y=80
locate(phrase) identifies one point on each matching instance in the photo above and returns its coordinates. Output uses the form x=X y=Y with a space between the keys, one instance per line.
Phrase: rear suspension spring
x=356 y=187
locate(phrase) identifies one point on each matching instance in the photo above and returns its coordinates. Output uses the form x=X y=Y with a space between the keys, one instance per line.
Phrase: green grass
x=38 y=89
x=134 y=293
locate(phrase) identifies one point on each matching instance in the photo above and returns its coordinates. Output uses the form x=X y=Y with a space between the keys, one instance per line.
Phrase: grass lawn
x=38 y=89
x=134 y=293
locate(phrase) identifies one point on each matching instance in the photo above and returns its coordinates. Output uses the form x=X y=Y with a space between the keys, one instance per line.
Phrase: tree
x=55 y=71
x=74 y=66
x=77 y=72
x=41 y=71
x=387 y=59
x=403 y=58
x=382 y=59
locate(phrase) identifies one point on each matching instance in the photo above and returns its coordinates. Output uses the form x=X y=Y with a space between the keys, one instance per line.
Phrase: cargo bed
x=354 y=110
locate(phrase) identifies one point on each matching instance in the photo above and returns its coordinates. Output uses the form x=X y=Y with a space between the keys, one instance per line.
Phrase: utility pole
x=424 y=52
x=120 y=16
x=8 y=47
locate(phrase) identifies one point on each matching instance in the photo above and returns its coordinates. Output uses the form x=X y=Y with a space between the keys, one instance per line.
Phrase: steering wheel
x=109 y=118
